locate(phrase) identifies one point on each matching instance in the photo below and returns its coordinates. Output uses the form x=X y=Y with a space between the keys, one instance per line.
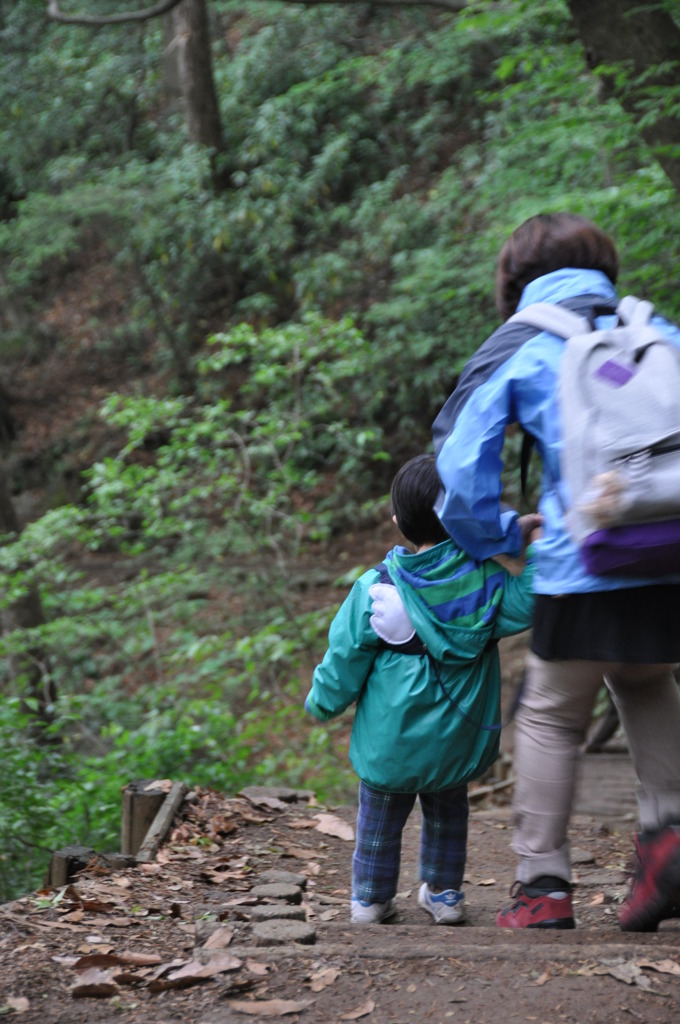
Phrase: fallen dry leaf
x=254 y=819
x=186 y=928
x=322 y=979
x=98 y=946
x=254 y=967
x=297 y=852
x=95 y=906
x=331 y=825
x=662 y=966
x=542 y=979
x=486 y=881
x=100 y=959
x=222 y=826
x=169 y=965
x=220 y=938
x=74 y=916
x=60 y=924
x=271 y=802
x=220 y=875
x=194 y=971
x=268 y=1008
x=95 y=984
x=627 y=971
x=220 y=962
x=164 y=785
x=19 y=1004
x=597 y=900
x=302 y=823
x=140 y=959
x=97 y=960
x=361 y=1011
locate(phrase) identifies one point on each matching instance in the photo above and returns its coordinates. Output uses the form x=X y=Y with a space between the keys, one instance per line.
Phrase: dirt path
x=201 y=890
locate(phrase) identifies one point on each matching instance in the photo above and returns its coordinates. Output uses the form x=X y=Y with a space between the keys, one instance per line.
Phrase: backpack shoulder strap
x=555 y=319
x=384 y=574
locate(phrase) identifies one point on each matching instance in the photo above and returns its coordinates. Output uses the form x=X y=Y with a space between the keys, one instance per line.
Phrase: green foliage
x=72 y=99
x=253 y=468
x=375 y=168
x=50 y=231
x=150 y=683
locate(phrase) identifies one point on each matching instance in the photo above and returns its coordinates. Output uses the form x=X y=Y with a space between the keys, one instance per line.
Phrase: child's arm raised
x=352 y=647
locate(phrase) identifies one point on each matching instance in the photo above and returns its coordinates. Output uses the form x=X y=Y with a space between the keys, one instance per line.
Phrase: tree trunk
x=647 y=40
x=188 y=48
x=187 y=54
x=171 y=84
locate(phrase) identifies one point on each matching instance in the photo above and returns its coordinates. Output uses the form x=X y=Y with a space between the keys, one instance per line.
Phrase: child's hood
x=450 y=599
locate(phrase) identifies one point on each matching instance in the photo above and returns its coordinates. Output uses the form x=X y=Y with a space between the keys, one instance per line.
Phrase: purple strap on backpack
x=644 y=549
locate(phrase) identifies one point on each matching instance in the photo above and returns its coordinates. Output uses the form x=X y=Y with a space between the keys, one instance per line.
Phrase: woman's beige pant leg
x=550 y=727
x=648 y=701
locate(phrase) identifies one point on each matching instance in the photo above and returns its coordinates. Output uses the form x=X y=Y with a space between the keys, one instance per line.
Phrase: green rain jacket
x=427 y=721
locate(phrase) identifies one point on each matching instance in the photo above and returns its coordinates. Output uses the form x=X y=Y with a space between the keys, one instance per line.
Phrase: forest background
x=245 y=249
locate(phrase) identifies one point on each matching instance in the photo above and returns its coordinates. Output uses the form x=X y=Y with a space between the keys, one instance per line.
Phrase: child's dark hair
x=413 y=494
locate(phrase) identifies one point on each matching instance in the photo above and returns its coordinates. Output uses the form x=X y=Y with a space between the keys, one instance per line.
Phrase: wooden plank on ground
x=161 y=824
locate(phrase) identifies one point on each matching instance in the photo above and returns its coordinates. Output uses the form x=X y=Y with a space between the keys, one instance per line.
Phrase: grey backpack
x=619 y=395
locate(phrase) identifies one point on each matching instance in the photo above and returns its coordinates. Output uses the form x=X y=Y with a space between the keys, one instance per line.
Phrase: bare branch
x=162 y=7
x=447 y=5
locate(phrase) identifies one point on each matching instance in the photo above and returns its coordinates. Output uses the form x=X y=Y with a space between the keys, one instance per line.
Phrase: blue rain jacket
x=512 y=378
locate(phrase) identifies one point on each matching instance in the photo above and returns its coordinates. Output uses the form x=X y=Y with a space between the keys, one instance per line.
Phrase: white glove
x=390 y=619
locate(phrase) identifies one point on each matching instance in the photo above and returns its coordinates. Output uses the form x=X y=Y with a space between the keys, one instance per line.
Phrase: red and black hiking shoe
x=655 y=889
x=546 y=911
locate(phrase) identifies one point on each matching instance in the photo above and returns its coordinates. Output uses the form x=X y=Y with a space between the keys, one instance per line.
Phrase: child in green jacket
x=414 y=645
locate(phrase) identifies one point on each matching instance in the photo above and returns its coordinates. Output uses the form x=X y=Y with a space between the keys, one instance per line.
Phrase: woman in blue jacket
x=584 y=627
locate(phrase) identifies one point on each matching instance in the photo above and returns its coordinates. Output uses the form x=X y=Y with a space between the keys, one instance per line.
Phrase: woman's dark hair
x=549 y=242
x=413 y=494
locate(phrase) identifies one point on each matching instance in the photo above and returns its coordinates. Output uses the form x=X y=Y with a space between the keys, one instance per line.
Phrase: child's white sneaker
x=364 y=912
x=446 y=907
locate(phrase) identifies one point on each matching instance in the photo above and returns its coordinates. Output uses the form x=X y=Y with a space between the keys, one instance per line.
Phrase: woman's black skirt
x=637 y=625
